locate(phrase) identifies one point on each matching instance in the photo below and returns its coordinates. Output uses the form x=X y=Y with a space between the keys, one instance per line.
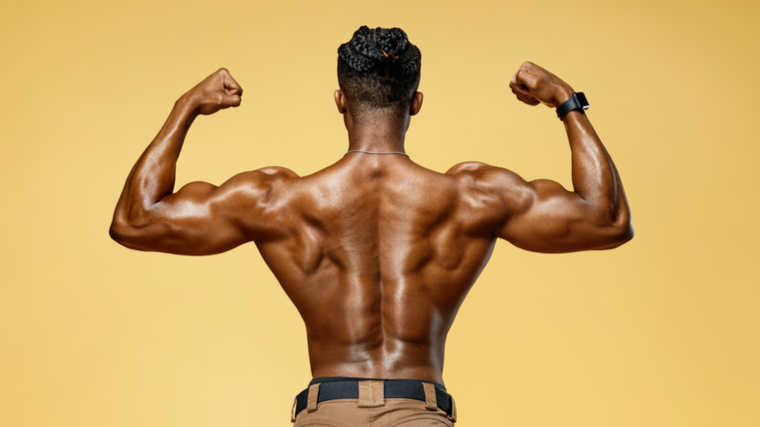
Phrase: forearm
x=595 y=177
x=153 y=176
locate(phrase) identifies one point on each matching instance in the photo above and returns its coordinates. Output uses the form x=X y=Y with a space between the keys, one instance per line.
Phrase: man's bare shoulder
x=484 y=175
x=481 y=181
x=262 y=177
x=258 y=185
x=276 y=172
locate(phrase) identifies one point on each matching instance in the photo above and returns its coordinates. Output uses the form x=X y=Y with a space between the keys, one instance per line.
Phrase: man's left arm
x=200 y=218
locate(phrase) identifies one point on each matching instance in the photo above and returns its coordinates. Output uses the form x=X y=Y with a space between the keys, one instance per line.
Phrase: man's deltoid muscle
x=376 y=252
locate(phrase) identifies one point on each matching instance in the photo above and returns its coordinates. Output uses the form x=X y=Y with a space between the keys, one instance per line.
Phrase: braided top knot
x=369 y=49
x=379 y=71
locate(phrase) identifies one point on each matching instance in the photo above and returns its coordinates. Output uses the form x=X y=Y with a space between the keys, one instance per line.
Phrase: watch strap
x=576 y=102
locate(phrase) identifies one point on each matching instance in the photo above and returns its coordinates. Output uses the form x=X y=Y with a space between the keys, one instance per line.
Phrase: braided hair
x=378 y=69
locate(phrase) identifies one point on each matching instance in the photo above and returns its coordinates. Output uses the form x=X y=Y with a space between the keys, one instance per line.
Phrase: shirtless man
x=376 y=252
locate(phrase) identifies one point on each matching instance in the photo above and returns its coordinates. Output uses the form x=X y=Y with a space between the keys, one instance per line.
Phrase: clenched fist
x=533 y=85
x=215 y=92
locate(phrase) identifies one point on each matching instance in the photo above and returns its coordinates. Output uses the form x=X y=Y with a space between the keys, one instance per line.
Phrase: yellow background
x=660 y=332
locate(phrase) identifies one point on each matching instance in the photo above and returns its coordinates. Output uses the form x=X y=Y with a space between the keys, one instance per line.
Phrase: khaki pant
x=372 y=409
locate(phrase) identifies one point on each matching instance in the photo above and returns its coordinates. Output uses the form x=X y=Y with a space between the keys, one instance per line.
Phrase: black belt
x=348 y=388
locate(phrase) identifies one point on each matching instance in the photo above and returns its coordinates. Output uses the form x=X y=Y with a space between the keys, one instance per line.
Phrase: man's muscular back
x=377 y=253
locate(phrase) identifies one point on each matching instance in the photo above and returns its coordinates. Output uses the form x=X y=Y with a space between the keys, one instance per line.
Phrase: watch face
x=582 y=100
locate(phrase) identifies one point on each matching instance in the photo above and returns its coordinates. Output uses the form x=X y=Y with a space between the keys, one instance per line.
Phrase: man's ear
x=340 y=101
x=416 y=103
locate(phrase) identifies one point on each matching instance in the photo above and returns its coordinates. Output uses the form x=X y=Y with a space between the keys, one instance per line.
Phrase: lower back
x=378 y=265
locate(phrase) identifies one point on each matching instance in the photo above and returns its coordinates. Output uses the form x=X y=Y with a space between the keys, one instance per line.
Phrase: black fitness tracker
x=576 y=102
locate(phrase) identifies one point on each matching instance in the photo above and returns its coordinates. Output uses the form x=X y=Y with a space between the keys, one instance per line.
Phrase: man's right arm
x=543 y=216
x=200 y=218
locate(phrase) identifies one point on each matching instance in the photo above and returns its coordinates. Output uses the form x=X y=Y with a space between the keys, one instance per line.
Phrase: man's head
x=379 y=72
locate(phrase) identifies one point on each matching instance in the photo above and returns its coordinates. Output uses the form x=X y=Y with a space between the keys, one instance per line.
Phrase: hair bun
x=370 y=47
x=379 y=71
x=392 y=43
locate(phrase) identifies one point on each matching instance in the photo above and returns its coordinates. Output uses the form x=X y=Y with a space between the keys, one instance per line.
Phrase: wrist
x=562 y=94
x=189 y=102
x=577 y=102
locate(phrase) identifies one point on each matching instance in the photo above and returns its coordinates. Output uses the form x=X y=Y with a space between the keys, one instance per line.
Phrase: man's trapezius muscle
x=376 y=252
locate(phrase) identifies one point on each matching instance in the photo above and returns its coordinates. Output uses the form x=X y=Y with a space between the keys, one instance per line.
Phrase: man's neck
x=377 y=136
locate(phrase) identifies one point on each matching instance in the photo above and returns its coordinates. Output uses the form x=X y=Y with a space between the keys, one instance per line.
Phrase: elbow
x=131 y=225
x=625 y=232
x=126 y=232
x=620 y=233
x=613 y=230
x=624 y=224
x=615 y=237
x=119 y=231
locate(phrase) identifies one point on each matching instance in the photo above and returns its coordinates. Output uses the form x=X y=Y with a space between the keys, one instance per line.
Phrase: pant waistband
x=333 y=379
x=369 y=390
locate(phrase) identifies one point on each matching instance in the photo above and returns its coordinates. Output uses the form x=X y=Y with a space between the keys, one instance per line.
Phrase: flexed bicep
x=201 y=218
x=541 y=215
x=549 y=218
